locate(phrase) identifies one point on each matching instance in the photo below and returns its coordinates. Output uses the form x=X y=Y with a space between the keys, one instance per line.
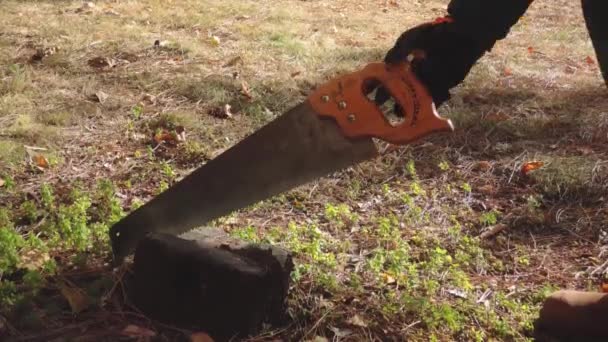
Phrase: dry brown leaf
x=487 y=189
x=101 y=62
x=590 y=61
x=222 y=112
x=40 y=161
x=164 y=136
x=33 y=259
x=585 y=150
x=200 y=337
x=604 y=288
x=319 y=339
x=100 y=97
x=181 y=133
x=149 y=98
x=246 y=91
x=531 y=166
x=388 y=278
x=132 y=330
x=296 y=73
x=507 y=72
x=530 y=49
x=77 y=299
x=43 y=53
x=234 y=61
x=357 y=321
x=214 y=40
x=496 y=117
x=483 y=165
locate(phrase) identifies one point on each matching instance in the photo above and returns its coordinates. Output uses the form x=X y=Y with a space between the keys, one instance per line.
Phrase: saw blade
x=294 y=149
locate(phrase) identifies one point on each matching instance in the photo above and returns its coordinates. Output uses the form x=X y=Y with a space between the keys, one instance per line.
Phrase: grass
x=387 y=249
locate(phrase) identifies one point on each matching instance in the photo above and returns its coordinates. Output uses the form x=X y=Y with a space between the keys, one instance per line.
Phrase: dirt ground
x=104 y=104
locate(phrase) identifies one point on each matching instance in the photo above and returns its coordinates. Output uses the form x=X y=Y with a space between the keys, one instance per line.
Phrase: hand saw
x=334 y=128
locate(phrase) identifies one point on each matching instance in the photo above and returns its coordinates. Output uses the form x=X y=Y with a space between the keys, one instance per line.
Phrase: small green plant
x=167 y=171
x=137 y=111
x=9 y=182
x=444 y=166
x=489 y=218
x=248 y=233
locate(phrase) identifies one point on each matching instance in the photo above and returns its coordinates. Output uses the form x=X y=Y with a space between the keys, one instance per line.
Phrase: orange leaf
x=589 y=60
x=246 y=91
x=483 y=166
x=41 y=161
x=507 y=72
x=531 y=166
x=200 y=337
x=135 y=331
x=164 y=136
x=605 y=287
x=530 y=49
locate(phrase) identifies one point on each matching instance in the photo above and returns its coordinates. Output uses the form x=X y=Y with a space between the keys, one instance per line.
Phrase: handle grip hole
x=382 y=97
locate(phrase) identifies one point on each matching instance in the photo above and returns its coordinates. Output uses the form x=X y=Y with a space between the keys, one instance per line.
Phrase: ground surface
x=388 y=250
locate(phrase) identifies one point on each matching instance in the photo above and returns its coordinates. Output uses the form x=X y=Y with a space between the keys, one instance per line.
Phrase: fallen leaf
x=221 y=112
x=487 y=189
x=2 y=182
x=77 y=299
x=234 y=61
x=457 y=293
x=246 y=91
x=388 y=278
x=164 y=136
x=530 y=49
x=200 y=337
x=584 y=150
x=33 y=259
x=40 y=161
x=605 y=287
x=483 y=166
x=357 y=321
x=507 y=72
x=319 y=339
x=341 y=333
x=100 y=97
x=496 y=117
x=151 y=99
x=590 y=61
x=181 y=133
x=43 y=53
x=132 y=330
x=531 y=166
x=86 y=7
x=101 y=62
x=214 y=40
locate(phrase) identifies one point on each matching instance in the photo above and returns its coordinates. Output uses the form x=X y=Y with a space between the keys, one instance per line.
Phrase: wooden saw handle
x=344 y=99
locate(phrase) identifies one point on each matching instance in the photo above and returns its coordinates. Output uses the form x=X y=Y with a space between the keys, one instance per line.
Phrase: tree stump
x=205 y=281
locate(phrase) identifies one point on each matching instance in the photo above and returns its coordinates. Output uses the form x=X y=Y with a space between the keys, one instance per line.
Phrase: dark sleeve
x=487 y=19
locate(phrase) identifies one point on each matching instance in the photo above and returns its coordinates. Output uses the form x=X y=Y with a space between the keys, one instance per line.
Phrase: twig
x=493 y=231
x=317 y=324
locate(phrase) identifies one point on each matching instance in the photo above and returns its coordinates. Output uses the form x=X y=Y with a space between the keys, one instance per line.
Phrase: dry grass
x=534 y=97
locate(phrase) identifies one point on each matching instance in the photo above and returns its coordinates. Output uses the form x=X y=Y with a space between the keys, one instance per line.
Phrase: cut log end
x=209 y=282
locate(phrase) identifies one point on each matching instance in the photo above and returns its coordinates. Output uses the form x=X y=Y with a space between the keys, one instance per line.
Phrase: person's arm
x=453 y=44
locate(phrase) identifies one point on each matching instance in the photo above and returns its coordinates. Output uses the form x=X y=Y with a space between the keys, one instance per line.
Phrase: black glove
x=447 y=55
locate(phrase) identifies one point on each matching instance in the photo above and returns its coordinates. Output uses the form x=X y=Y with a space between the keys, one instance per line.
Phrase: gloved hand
x=443 y=55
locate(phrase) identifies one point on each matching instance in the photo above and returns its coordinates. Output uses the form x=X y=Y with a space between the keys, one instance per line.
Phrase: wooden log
x=208 y=282
x=573 y=316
